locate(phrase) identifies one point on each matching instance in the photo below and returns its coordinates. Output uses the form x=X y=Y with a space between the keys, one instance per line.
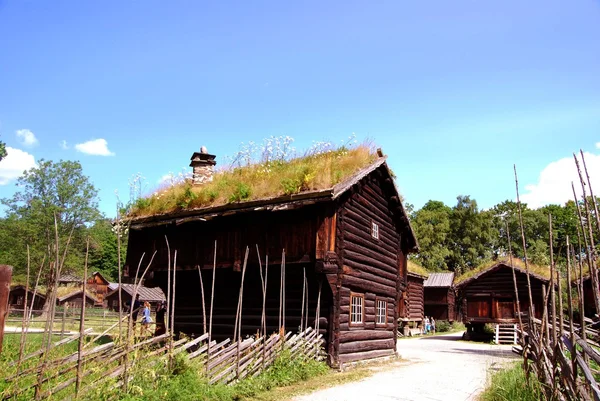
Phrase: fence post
x=62 y=328
x=5 y=278
x=497 y=334
x=515 y=333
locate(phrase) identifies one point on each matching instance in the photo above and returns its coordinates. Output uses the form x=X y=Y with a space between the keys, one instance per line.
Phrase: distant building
x=16 y=298
x=439 y=296
x=97 y=284
x=69 y=279
x=74 y=299
x=153 y=295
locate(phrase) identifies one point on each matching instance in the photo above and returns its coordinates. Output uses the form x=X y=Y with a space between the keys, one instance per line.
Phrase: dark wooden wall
x=75 y=301
x=440 y=303
x=415 y=308
x=373 y=267
x=20 y=292
x=490 y=298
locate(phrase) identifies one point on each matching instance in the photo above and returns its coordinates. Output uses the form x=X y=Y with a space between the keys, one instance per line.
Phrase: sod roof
x=417 y=270
x=540 y=272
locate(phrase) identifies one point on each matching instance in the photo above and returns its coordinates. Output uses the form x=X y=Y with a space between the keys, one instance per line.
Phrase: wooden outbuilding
x=488 y=295
x=98 y=285
x=440 y=297
x=73 y=300
x=411 y=306
x=153 y=296
x=16 y=298
x=67 y=279
x=349 y=240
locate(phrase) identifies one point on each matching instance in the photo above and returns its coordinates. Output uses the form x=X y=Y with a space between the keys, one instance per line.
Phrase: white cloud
x=14 y=164
x=63 y=145
x=554 y=182
x=96 y=147
x=27 y=137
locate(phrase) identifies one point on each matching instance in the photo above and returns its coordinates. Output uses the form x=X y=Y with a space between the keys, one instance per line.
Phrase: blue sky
x=454 y=92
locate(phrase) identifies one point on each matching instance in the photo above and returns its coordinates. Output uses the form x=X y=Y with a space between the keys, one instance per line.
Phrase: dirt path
x=433 y=368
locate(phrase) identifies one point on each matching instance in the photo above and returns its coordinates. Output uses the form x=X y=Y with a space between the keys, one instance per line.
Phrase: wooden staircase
x=506 y=333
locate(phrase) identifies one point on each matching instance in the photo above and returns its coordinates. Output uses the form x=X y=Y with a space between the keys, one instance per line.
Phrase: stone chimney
x=203 y=166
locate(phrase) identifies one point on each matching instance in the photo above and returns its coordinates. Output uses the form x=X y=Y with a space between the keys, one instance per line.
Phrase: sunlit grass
x=417 y=269
x=542 y=271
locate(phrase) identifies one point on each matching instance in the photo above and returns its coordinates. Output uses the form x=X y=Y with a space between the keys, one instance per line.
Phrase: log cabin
x=411 y=310
x=74 y=300
x=588 y=295
x=439 y=296
x=16 y=298
x=98 y=285
x=341 y=247
x=153 y=296
x=487 y=295
x=67 y=279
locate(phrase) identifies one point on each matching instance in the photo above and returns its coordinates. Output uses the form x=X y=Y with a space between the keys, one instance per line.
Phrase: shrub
x=442 y=326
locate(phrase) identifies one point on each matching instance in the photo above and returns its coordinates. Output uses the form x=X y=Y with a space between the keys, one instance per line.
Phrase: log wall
x=375 y=268
x=440 y=303
x=415 y=307
x=490 y=298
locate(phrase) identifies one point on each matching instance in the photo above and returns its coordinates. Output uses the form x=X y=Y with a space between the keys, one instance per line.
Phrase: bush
x=442 y=326
x=511 y=384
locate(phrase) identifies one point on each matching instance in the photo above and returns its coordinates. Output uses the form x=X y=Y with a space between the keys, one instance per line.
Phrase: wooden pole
x=591 y=250
x=5 y=278
x=262 y=282
x=510 y=256
x=303 y=296
x=168 y=313
x=560 y=304
x=119 y=222
x=280 y=293
x=203 y=301
x=588 y=252
x=173 y=311
x=283 y=318
x=552 y=282
x=82 y=323
x=318 y=318
x=212 y=302
x=571 y=330
x=241 y=304
x=22 y=341
x=524 y=243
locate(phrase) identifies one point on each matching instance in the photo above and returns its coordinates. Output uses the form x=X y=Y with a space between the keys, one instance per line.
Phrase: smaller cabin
x=439 y=296
x=99 y=285
x=74 y=300
x=410 y=307
x=153 y=295
x=487 y=295
x=588 y=296
x=16 y=298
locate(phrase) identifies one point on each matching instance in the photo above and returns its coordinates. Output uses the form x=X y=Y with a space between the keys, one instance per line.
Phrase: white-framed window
x=374 y=230
x=380 y=312
x=357 y=309
x=20 y=300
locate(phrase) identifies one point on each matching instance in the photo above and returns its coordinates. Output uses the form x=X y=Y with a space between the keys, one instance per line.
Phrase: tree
x=432 y=227
x=2 y=150
x=54 y=193
x=103 y=249
x=471 y=235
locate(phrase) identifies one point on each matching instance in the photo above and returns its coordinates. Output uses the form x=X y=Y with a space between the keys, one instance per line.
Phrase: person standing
x=432 y=325
x=146 y=319
x=160 y=319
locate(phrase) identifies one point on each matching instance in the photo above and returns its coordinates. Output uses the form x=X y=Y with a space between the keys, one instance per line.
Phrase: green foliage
x=241 y=192
x=2 y=150
x=444 y=326
x=48 y=190
x=185 y=381
x=103 y=255
x=511 y=384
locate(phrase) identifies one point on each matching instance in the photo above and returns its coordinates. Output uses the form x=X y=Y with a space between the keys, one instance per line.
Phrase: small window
x=357 y=303
x=374 y=230
x=381 y=313
x=20 y=300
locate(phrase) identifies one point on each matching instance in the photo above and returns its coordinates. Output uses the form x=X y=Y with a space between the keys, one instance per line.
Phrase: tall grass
x=185 y=381
x=260 y=180
x=510 y=385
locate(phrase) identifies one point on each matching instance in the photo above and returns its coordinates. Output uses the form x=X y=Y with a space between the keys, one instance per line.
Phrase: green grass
x=258 y=181
x=510 y=384
x=417 y=269
x=543 y=271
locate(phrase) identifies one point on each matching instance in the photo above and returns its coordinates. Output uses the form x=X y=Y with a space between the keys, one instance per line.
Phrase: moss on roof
x=259 y=181
x=417 y=269
x=542 y=271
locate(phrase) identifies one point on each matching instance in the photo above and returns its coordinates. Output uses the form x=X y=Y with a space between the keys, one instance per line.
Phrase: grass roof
x=259 y=181
x=542 y=271
x=417 y=269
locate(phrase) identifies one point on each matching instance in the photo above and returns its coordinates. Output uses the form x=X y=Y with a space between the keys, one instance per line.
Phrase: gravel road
x=432 y=369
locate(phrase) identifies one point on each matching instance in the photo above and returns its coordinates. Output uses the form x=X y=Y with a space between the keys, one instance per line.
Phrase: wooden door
x=478 y=307
x=505 y=308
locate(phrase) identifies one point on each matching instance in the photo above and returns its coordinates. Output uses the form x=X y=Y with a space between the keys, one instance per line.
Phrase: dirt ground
x=441 y=368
